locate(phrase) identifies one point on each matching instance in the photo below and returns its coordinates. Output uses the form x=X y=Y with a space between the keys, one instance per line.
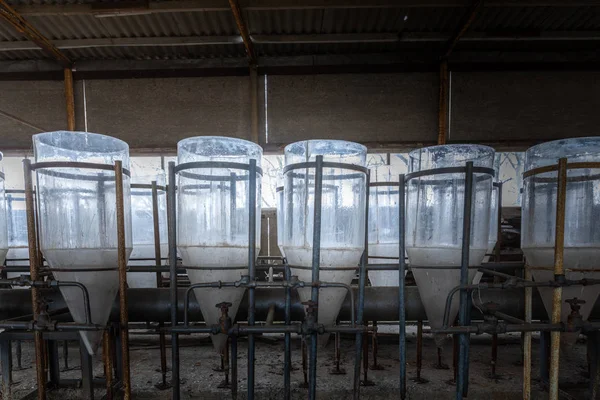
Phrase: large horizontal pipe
x=381 y=304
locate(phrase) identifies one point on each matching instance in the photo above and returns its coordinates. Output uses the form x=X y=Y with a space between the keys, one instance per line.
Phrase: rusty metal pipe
x=107 y=356
x=559 y=247
x=34 y=272
x=122 y=254
x=69 y=98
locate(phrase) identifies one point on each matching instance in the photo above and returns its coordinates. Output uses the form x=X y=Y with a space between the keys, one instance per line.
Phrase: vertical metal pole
x=124 y=316
x=155 y=220
x=594 y=355
x=171 y=219
x=362 y=281
x=53 y=362
x=559 y=247
x=499 y=224
x=6 y=363
x=34 y=272
x=401 y=284
x=234 y=367
x=287 y=367
x=544 y=356
x=443 y=103
x=69 y=99
x=462 y=385
x=316 y=263
x=527 y=340
x=252 y=274
x=107 y=355
x=254 y=103
x=87 y=372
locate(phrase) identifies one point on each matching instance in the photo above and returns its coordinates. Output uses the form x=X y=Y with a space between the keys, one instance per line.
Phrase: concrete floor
x=200 y=381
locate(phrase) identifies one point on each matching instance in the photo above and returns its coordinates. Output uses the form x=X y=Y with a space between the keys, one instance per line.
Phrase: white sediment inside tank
x=330 y=299
x=102 y=286
x=217 y=257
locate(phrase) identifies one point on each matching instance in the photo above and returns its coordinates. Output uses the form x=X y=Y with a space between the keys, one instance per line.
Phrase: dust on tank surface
x=434 y=222
x=78 y=219
x=384 y=215
x=582 y=212
x=142 y=222
x=213 y=218
x=342 y=219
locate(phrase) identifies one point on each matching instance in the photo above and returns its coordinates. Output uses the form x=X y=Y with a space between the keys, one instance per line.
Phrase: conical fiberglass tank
x=582 y=212
x=142 y=222
x=383 y=224
x=434 y=220
x=78 y=219
x=212 y=220
x=342 y=219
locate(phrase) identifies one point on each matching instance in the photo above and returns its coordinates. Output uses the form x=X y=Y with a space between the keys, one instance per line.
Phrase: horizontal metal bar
x=215 y=164
x=448 y=170
x=102 y=9
x=326 y=164
x=75 y=164
x=554 y=168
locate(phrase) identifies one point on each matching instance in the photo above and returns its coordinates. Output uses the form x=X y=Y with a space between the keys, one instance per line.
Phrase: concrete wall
x=524 y=105
x=363 y=108
x=388 y=108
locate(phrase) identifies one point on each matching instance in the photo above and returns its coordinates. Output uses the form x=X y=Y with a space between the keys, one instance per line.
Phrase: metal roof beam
x=101 y=9
x=26 y=29
x=243 y=29
x=296 y=39
x=465 y=24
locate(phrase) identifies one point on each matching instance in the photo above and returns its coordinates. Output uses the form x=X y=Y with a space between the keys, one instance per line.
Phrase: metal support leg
x=53 y=363
x=494 y=361
x=337 y=370
x=163 y=384
x=594 y=358
x=6 y=363
x=19 y=356
x=66 y=355
x=87 y=372
x=234 y=368
x=108 y=370
x=225 y=359
x=304 y=384
x=375 y=344
x=418 y=378
x=544 y=357
x=366 y=381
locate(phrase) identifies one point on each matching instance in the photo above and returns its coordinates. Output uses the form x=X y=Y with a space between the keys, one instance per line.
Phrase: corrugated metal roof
x=501 y=19
x=436 y=20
